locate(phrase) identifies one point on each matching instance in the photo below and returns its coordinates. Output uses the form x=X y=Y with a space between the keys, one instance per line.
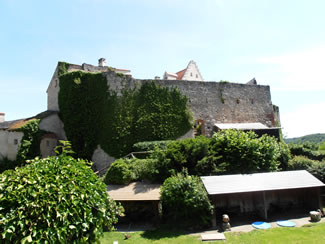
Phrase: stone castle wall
x=215 y=102
x=210 y=103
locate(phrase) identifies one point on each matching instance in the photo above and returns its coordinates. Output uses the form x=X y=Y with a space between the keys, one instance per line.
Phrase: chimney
x=2 y=117
x=101 y=62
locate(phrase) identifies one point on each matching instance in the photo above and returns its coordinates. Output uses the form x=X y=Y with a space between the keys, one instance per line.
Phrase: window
x=15 y=141
x=237 y=101
x=191 y=74
x=47 y=143
x=196 y=76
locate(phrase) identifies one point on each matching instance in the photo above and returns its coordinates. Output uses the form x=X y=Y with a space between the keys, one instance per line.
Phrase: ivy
x=95 y=115
x=81 y=109
x=29 y=147
x=63 y=68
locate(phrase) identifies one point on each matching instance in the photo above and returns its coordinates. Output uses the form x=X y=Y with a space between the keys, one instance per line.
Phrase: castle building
x=214 y=105
x=191 y=72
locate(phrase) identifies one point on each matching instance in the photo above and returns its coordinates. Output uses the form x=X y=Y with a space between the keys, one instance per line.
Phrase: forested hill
x=316 y=138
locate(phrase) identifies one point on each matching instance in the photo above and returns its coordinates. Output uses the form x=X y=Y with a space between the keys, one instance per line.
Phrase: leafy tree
x=54 y=200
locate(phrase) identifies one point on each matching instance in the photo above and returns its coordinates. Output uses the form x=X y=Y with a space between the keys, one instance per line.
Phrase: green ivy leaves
x=94 y=115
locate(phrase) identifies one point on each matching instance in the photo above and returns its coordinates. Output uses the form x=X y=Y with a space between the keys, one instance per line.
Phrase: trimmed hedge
x=146 y=146
x=54 y=200
x=123 y=171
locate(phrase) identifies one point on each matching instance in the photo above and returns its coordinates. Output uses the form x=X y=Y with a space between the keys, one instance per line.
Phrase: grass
x=312 y=233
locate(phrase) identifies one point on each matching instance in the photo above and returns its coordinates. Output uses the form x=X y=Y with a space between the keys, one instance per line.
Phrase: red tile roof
x=180 y=74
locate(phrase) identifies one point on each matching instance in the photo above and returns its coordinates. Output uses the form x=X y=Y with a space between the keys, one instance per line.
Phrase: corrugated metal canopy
x=136 y=191
x=226 y=184
x=241 y=126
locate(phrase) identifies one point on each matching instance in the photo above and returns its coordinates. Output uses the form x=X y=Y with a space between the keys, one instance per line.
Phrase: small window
x=237 y=101
x=47 y=143
x=191 y=74
x=56 y=83
x=15 y=141
x=252 y=101
x=196 y=76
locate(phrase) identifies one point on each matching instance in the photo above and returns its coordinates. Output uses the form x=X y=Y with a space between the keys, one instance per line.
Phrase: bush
x=307 y=149
x=185 y=201
x=123 y=171
x=119 y=173
x=146 y=146
x=317 y=169
x=300 y=163
x=238 y=152
x=54 y=200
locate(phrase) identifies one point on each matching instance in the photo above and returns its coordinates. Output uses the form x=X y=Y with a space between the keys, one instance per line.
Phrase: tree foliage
x=54 y=200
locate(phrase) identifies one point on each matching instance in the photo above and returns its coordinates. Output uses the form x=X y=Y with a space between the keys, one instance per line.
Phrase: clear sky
x=279 y=42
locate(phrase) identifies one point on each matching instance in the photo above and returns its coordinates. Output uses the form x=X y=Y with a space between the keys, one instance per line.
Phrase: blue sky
x=280 y=43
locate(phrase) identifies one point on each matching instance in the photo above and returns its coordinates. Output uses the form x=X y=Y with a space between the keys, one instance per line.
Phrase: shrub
x=146 y=146
x=185 y=153
x=144 y=169
x=317 y=169
x=284 y=155
x=238 y=152
x=185 y=201
x=119 y=173
x=123 y=171
x=299 y=163
x=54 y=200
x=307 y=149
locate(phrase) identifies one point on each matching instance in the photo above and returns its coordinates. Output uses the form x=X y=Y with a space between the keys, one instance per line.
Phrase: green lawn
x=312 y=234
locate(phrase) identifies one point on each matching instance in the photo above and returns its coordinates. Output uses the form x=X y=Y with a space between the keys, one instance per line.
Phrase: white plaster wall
x=12 y=147
x=53 y=92
x=101 y=160
x=47 y=147
x=3 y=144
x=192 y=73
x=53 y=124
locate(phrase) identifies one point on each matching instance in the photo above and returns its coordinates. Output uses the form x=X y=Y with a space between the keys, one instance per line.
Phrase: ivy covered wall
x=93 y=114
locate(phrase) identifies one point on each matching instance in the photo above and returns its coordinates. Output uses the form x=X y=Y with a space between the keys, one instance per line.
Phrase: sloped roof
x=6 y=124
x=240 y=183
x=136 y=191
x=171 y=74
x=16 y=124
x=180 y=74
x=241 y=126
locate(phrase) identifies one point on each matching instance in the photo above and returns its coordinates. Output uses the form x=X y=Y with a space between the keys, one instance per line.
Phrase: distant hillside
x=316 y=138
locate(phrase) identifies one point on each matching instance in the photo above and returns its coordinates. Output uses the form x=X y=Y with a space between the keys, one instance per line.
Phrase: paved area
x=300 y=221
